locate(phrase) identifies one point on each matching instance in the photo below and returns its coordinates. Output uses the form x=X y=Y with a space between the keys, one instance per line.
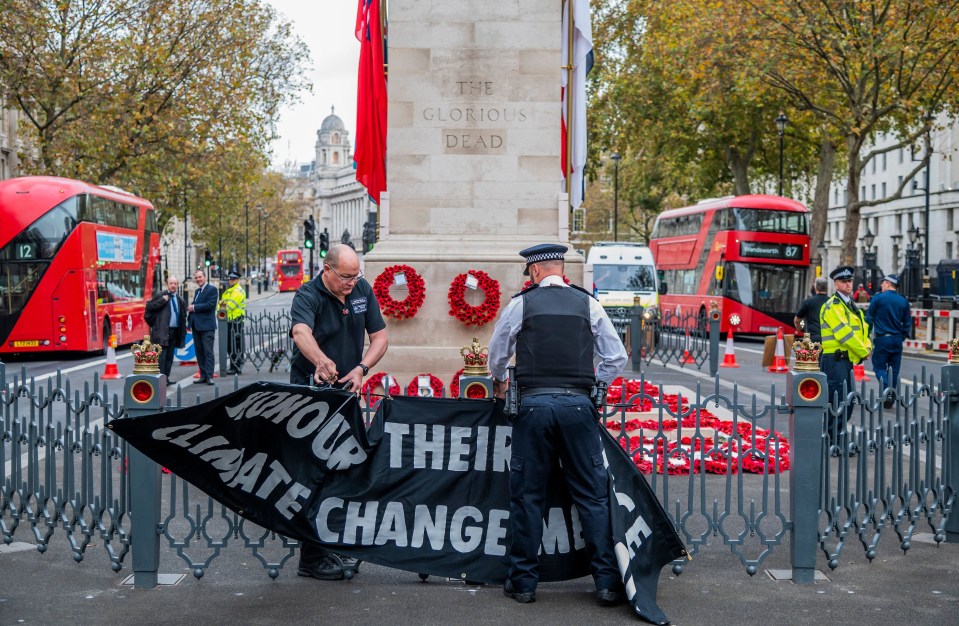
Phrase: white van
x=622 y=271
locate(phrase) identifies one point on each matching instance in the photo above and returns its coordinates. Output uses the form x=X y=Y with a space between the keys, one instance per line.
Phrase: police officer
x=233 y=300
x=890 y=320
x=555 y=330
x=845 y=342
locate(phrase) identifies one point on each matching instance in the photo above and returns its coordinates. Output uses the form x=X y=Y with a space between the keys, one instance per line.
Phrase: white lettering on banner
x=333 y=441
x=438 y=447
x=466 y=530
x=237 y=472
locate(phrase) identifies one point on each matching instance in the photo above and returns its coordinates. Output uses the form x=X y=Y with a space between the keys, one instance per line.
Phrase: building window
x=884 y=161
x=579 y=220
x=884 y=190
x=948 y=249
x=949 y=221
x=901 y=154
x=872 y=189
x=899 y=182
x=336 y=158
x=874 y=165
x=862 y=195
x=335 y=140
x=836 y=196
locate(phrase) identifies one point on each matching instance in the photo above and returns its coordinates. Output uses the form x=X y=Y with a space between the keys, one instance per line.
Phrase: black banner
x=425 y=489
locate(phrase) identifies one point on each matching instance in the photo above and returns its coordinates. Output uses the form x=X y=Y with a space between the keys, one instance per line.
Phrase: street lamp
x=246 y=206
x=869 y=257
x=615 y=157
x=781 y=122
x=912 y=261
x=821 y=248
x=259 y=245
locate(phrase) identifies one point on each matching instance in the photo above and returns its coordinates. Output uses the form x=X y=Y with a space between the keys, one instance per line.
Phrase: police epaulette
x=531 y=287
x=578 y=288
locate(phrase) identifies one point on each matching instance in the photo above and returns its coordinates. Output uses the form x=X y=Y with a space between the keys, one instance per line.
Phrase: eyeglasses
x=346 y=279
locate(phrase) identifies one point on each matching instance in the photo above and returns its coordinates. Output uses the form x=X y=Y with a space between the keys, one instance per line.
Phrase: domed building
x=341 y=204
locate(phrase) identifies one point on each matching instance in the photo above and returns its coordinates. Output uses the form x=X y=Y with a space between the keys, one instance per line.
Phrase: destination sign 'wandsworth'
x=765 y=250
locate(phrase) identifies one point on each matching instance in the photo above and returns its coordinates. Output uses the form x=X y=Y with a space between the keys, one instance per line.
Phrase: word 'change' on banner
x=424 y=489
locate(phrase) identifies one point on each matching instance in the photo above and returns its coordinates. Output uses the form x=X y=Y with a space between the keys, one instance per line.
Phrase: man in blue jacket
x=203 y=323
x=890 y=319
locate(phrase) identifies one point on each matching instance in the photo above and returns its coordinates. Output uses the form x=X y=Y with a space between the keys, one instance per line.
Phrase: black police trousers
x=563 y=427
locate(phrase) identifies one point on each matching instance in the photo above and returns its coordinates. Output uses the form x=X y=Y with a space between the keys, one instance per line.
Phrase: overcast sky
x=327 y=28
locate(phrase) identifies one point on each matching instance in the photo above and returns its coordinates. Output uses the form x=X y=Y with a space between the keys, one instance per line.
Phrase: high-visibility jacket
x=234 y=301
x=844 y=328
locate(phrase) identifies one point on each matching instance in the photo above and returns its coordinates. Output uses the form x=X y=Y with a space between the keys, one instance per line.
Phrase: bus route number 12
x=26 y=251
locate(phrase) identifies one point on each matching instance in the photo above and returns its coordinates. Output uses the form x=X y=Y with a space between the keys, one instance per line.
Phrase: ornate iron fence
x=718 y=463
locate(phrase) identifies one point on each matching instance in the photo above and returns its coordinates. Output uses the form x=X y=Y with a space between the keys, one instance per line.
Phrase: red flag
x=371 y=100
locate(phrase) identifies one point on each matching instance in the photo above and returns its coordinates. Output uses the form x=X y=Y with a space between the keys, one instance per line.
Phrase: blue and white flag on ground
x=582 y=60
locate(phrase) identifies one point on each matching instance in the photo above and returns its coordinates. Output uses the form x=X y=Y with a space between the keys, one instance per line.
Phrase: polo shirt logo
x=359 y=306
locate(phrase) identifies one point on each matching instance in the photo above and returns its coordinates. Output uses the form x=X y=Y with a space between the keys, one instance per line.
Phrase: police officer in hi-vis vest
x=233 y=300
x=845 y=342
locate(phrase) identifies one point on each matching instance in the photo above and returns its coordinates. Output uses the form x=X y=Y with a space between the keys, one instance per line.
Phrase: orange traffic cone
x=779 y=360
x=687 y=358
x=111 y=371
x=859 y=372
x=729 y=357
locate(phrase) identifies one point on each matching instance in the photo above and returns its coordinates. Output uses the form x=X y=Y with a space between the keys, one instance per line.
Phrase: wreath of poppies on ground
x=735 y=445
x=376 y=380
x=400 y=309
x=467 y=313
x=436 y=385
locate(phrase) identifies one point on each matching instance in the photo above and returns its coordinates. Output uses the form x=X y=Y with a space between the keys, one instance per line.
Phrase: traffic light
x=324 y=242
x=309 y=232
x=208 y=259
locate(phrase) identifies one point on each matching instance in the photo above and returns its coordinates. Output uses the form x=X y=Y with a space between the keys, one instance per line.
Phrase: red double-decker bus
x=77 y=263
x=289 y=270
x=749 y=254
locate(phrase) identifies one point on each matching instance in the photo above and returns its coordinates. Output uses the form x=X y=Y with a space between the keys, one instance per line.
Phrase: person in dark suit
x=203 y=323
x=166 y=313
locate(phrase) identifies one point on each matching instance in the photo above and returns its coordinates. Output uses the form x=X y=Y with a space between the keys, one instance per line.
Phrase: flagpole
x=569 y=102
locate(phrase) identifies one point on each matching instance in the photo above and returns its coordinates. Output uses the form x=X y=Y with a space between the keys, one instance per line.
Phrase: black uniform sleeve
x=306 y=308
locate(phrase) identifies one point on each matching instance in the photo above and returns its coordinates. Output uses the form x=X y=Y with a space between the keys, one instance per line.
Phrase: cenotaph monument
x=473 y=165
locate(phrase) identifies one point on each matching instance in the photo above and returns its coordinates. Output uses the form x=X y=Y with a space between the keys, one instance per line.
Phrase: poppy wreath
x=455 y=384
x=436 y=385
x=399 y=309
x=376 y=380
x=467 y=313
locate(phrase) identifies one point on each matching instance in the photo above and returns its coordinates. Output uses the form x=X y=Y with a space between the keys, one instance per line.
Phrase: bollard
x=713 y=339
x=144 y=394
x=636 y=333
x=950 y=386
x=806 y=395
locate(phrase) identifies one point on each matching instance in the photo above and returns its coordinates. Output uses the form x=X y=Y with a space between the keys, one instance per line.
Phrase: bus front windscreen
x=624 y=277
x=776 y=290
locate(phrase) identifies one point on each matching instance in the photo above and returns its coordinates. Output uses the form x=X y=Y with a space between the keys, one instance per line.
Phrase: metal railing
x=893 y=473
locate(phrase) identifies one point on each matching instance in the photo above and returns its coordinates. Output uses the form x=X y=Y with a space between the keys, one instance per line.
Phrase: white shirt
x=609 y=354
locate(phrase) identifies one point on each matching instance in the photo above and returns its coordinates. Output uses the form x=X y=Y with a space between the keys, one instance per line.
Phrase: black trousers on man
x=166 y=357
x=839 y=381
x=203 y=341
x=565 y=427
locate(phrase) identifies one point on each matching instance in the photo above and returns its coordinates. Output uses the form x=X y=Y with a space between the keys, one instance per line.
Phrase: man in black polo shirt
x=332 y=315
x=807 y=318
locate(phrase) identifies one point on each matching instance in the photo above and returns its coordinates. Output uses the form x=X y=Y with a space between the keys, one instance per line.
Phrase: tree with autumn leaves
x=175 y=100
x=687 y=91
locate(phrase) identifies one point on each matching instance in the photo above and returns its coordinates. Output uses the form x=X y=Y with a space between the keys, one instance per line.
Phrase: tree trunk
x=820 y=204
x=851 y=231
x=739 y=167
